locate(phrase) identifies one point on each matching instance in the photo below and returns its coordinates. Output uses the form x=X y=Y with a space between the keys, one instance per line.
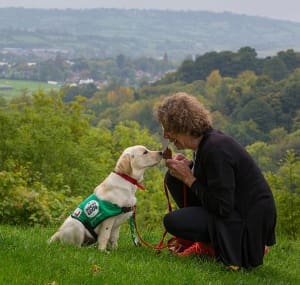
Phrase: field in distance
x=9 y=88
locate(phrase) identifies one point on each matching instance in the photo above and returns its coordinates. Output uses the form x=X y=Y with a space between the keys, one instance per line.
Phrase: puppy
x=111 y=204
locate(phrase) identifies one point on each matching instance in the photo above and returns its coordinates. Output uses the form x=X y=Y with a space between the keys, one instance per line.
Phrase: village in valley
x=56 y=67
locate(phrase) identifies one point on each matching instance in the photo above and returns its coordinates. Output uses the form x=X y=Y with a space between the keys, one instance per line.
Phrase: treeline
x=231 y=64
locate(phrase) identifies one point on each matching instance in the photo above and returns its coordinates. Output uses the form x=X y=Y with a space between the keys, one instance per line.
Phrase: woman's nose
x=166 y=135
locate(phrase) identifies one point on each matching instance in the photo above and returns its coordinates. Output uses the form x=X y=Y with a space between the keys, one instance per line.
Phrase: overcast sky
x=276 y=9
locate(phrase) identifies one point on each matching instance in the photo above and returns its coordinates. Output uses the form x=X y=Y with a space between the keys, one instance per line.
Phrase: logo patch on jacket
x=92 y=211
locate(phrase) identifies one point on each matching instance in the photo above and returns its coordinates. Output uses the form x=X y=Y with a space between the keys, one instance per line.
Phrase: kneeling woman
x=228 y=211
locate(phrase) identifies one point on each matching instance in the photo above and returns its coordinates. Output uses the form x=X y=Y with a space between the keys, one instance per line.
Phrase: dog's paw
x=112 y=245
x=104 y=250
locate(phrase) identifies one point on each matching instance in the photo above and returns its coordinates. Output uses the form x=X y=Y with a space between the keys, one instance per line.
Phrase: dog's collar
x=131 y=180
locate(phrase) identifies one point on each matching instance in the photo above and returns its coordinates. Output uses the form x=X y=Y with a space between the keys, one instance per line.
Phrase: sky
x=275 y=9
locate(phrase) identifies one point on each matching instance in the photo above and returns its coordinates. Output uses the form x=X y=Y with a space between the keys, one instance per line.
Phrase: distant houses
x=52 y=82
x=72 y=84
x=86 y=81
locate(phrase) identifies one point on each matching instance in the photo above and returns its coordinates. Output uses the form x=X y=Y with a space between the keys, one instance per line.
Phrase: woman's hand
x=181 y=157
x=179 y=168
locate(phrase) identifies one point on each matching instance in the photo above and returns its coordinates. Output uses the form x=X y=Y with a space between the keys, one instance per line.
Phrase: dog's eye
x=145 y=152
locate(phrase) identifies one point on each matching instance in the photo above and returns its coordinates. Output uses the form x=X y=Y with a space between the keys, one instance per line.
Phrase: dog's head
x=135 y=159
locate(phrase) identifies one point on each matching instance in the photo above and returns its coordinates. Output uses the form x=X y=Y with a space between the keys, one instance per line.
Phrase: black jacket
x=233 y=190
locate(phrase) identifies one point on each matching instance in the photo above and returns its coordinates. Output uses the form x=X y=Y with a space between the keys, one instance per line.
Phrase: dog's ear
x=124 y=165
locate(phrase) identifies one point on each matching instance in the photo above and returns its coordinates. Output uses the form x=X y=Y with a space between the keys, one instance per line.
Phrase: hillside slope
x=109 y=32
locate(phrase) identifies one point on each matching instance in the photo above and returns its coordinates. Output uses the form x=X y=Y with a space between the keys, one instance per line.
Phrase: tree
x=290 y=58
x=285 y=185
x=245 y=132
x=275 y=68
x=121 y=61
x=290 y=98
x=247 y=59
x=213 y=83
x=296 y=121
x=205 y=64
x=260 y=153
x=120 y=95
x=185 y=71
x=214 y=79
x=277 y=134
x=260 y=112
x=51 y=70
x=220 y=121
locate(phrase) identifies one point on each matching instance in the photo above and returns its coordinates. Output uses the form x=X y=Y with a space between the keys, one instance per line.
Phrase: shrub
x=26 y=201
x=285 y=185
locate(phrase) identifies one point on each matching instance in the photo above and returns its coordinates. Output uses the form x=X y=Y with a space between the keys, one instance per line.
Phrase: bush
x=285 y=185
x=288 y=205
x=26 y=201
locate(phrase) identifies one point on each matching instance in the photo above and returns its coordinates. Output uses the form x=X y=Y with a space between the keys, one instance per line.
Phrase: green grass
x=21 y=86
x=26 y=258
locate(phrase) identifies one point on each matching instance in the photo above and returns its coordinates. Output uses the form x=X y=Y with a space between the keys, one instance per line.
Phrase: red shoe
x=266 y=249
x=198 y=248
x=177 y=245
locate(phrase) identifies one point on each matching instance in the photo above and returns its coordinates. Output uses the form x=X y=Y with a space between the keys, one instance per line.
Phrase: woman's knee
x=168 y=222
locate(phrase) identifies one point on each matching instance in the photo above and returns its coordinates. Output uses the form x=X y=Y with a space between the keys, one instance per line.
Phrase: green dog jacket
x=92 y=211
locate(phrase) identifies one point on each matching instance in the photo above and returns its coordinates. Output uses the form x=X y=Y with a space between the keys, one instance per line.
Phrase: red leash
x=160 y=245
x=197 y=247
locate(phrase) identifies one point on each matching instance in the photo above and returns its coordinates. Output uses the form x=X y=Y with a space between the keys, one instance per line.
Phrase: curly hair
x=182 y=113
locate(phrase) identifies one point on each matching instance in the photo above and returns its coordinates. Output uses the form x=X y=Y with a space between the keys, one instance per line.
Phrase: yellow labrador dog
x=99 y=217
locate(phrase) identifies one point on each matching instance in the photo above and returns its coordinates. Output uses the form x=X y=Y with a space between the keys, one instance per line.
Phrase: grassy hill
x=109 y=32
x=26 y=258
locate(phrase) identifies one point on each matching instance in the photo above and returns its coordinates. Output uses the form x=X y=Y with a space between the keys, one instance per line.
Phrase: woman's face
x=179 y=140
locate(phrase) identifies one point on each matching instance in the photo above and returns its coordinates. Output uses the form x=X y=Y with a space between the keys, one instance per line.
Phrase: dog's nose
x=160 y=153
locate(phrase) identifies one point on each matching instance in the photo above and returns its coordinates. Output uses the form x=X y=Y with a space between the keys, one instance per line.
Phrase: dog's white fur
x=115 y=189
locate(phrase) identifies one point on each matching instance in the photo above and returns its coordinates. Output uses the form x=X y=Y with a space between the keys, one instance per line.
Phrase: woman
x=228 y=210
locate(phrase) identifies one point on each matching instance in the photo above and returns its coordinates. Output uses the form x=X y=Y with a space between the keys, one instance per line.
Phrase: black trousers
x=189 y=222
